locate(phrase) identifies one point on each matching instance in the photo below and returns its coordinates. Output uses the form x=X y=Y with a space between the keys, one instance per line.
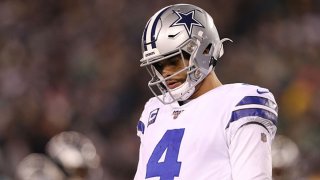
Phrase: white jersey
x=224 y=134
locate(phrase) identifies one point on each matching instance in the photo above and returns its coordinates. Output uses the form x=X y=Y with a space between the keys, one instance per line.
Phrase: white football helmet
x=37 y=166
x=185 y=30
x=74 y=152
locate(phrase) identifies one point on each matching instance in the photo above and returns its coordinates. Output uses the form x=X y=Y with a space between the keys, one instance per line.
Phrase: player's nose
x=167 y=71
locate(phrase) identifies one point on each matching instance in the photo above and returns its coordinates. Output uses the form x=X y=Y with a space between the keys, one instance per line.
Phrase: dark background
x=74 y=65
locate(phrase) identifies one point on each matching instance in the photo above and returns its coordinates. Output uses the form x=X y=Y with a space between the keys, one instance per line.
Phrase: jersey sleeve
x=250 y=131
x=141 y=127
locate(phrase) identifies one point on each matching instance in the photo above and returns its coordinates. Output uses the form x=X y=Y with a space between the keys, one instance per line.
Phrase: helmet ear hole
x=207 y=50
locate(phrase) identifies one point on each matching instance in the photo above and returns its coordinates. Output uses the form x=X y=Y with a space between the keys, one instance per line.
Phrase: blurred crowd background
x=73 y=65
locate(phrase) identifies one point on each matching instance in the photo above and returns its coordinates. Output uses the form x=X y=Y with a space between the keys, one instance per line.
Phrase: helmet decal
x=145 y=36
x=187 y=20
x=150 y=30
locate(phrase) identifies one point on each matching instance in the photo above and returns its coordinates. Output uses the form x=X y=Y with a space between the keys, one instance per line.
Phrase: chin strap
x=213 y=62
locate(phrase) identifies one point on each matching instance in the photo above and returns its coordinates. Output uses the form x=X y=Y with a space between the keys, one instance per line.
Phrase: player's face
x=170 y=66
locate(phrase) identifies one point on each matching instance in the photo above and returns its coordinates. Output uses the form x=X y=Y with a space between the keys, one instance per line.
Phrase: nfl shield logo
x=176 y=113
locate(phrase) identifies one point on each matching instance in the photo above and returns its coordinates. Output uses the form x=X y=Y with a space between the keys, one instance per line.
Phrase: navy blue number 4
x=170 y=167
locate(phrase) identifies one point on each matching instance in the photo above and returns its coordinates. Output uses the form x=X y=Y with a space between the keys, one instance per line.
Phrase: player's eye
x=158 y=66
x=173 y=61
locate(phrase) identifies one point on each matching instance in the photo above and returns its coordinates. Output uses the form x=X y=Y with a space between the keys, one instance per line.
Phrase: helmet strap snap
x=213 y=62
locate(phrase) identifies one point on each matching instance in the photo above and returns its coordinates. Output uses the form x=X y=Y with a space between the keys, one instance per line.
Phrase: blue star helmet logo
x=187 y=20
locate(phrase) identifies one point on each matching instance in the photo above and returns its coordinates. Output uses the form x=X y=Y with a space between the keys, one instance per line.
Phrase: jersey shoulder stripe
x=258 y=100
x=238 y=114
x=255 y=106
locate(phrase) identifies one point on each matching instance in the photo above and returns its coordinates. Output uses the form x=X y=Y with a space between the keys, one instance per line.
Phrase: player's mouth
x=173 y=84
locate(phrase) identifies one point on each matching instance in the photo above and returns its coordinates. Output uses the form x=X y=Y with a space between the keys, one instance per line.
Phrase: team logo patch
x=176 y=113
x=187 y=20
x=153 y=116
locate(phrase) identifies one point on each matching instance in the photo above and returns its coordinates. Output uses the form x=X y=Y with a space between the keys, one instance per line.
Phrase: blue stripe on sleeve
x=141 y=126
x=236 y=115
x=258 y=100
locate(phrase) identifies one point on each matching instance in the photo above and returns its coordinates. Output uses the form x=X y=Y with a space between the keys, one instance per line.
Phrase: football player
x=69 y=155
x=36 y=166
x=76 y=155
x=196 y=127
